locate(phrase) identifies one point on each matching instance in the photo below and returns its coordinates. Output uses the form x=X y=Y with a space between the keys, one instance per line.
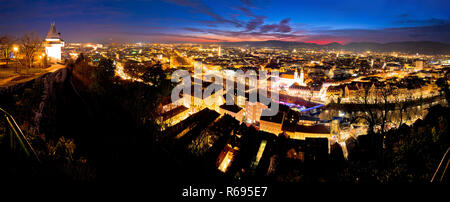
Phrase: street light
x=15 y=50
x=44 y=60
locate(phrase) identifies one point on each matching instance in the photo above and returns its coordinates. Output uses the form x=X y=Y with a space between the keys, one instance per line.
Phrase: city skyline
x=231 y=99
x=195 y=21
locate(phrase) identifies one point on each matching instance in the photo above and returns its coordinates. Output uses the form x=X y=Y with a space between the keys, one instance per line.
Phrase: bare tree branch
x=30 y=44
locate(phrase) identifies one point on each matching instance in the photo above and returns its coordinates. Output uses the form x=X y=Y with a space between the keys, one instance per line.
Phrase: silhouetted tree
x=444 y=88
x=156 y=77
x=386 y=93
x=6 y=44
x=367 y=113
x=105 y=70
x=375 y=106
x=403 y=107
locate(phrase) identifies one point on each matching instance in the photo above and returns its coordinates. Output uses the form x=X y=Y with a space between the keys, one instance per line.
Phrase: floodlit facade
x=53 y=44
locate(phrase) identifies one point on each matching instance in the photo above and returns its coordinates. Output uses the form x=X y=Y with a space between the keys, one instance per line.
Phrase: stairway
x=441 y=173
x=17 y=156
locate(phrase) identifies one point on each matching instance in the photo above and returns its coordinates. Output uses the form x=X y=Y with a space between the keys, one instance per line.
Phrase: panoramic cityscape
x=225 y=99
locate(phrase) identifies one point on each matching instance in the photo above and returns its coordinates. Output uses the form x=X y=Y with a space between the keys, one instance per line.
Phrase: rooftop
x=174 y=112
x=319 y=128
x=232 y=108
x=52 y=33
x=278 y=118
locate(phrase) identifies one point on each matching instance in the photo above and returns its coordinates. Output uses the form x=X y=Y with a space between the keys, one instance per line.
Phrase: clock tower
x=53 y=44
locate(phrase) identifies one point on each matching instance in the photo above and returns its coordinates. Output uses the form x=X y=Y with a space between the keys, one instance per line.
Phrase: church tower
x=296 y=74
x=302 y=77
x=53 y=44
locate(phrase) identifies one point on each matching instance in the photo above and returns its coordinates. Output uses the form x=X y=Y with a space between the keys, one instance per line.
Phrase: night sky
x=318 y=21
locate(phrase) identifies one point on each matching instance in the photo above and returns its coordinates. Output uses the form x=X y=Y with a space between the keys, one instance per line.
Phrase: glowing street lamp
x=43 y=60
x=15 y=50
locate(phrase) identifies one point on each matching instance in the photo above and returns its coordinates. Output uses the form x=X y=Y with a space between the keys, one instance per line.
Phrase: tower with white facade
x=53 y=44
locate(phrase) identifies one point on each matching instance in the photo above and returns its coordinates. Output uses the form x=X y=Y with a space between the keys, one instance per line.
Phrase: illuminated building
x=198 y=68
x=173 y=117
x=419 y=65
x=302 y=127
x=53 y=44
x=253 y=111
x=232 y=110
x=197 y=101
x=272 y=124
x=226 y=157
x=259 y=154
x=301 y=77
x=286 y=80
x=167 y=104
x=335 y=130
x=299 y=90
x=300 y=132
x=334 y=93
x=350 y=90
x=237 y=96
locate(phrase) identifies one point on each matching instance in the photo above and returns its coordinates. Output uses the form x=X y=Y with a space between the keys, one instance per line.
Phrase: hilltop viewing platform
x=9 y=77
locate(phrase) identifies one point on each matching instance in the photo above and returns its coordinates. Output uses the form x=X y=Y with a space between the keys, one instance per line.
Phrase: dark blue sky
x=319 y=21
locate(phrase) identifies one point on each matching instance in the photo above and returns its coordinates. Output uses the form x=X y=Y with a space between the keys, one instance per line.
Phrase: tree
x=364 y=101
x=403 y=106
x=156 y=77
x=375 y=105
x=444 y=89
x=387 y=92
x=30 y=43
x=6 y=44
x=105 y=70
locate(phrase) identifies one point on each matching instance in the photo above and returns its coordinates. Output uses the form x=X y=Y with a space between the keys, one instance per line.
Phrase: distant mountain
x=272 y=43
x=422 y=47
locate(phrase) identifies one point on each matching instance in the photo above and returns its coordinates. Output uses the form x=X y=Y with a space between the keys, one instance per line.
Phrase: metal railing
x=16 y=136
x=441 y=170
